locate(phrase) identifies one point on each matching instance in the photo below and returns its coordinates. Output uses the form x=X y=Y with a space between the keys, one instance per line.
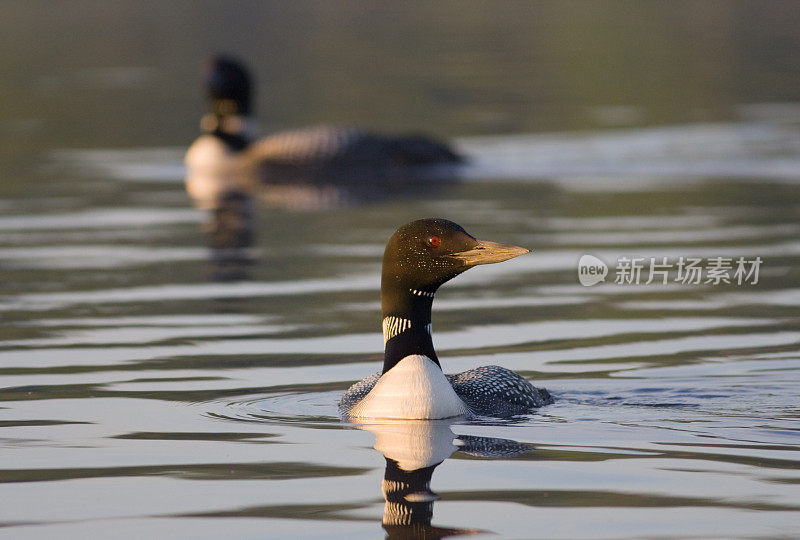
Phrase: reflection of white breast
x=415 y=388
x=211 y=170
x=413 y=444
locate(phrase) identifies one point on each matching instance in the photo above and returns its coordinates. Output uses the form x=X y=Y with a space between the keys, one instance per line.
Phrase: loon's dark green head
x=228 y=86
x=424 y=254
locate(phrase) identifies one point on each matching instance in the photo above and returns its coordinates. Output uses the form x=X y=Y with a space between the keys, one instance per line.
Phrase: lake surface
x=140 y=396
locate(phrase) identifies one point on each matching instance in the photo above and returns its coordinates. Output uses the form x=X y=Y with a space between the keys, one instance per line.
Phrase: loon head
x=228 y=89
x=228 y=86
x=419 y=258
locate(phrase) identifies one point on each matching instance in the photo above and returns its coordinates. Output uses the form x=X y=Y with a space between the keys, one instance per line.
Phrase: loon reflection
x=413 y=449
x=312 y=168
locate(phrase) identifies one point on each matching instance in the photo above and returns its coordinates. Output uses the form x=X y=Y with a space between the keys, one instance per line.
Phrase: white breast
x=211 y=170
x=415 y=388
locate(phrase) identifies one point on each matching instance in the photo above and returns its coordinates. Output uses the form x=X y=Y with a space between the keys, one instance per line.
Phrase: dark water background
x=138 y=397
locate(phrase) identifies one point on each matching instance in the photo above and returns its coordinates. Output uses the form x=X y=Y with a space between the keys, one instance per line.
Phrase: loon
x=228 y=161
x=420 y=257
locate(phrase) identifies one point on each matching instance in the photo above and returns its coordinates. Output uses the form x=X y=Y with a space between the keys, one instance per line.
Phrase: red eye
x=434 y=241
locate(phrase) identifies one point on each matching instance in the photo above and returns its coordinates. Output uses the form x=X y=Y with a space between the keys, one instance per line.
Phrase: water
x=141 y=397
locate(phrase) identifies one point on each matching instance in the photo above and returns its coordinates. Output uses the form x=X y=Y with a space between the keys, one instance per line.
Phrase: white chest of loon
x=415 y=388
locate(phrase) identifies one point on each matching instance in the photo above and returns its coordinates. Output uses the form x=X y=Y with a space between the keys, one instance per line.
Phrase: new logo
x=591 y=270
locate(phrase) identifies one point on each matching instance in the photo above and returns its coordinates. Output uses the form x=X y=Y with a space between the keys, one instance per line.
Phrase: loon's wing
x=497 y=391
x=357 y=392
x=304 y=146
x=350 y=146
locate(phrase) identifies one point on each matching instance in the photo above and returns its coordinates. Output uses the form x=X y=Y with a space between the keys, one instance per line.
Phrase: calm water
x=140 y=397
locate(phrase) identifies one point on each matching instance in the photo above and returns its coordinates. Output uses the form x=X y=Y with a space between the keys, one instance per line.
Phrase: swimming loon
x=419 y=258
x=229 y=158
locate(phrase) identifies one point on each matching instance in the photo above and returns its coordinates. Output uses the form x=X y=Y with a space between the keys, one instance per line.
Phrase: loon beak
x=486 y=252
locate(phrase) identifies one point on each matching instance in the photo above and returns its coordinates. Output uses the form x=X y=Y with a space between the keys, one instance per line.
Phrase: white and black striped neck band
x=421 y=293
x=393 y=326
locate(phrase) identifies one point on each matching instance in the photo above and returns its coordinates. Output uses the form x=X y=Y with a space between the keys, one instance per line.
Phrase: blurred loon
x=419 y=258
x=228 y=158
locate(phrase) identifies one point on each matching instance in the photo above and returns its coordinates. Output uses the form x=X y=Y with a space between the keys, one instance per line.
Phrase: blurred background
x=118 y=74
